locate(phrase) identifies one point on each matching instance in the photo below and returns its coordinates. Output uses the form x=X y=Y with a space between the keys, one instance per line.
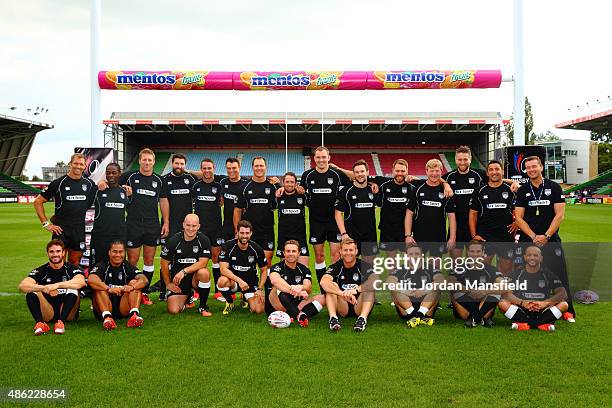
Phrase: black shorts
x=434 y=248
x=265 y=241
x=367 y=247
x=324 y=231
x=73 y=236
x=248 y=293
x=185 y=285
x=416 y=303
x=116 y=308
x=215 y=235
x=392 y=239
x=463 y=232
x=142 y=233
x=99 y=246
x=495 y=247
x=281 y=245
x=56 y=303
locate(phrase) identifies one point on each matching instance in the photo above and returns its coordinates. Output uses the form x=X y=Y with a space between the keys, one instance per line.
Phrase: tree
x=547 y=136
x=605 y=135
x=60 y=164
x=604 y=157
x=23 y=177
x=36 y=178
x=528 y=124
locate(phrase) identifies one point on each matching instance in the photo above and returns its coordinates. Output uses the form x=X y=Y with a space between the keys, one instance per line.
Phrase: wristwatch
x=547 y=237
x=46 y=223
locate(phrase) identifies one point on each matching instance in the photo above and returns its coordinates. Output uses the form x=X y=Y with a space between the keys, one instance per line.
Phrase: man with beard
x=115 y=286
x=52 y=290
x=291 y=218
x=109 y=221
x=73 y=194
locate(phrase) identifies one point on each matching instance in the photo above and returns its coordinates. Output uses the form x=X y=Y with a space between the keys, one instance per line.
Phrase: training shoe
x=427 y=321
x=59 y=328
x=190 y=303
x=204 y=311
x=413 y=322
x=547 y=327
x=244 y=304
x=569 y=317
x=228 y=308
x=135 y=320
x=162 y=296
x=219 y=297
x=109 y=323
x=334 y=324
x=487 y=323
x=360 y=324
x=302 y=319
x=470 y=323
x=144 y=299
x=41 y=328
x=196 y=295
x=520 y=326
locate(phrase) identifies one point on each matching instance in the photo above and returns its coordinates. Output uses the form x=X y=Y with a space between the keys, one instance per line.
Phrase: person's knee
x=203 y=275
x=503 y=305
x=224 y=282
x=174 y=309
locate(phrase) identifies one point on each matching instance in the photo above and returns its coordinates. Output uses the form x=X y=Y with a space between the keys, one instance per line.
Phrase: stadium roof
x=16 y=139
x=598 y=122
x=305 y=118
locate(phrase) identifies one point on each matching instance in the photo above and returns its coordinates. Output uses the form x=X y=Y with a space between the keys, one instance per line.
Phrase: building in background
x=51 y=173
x=570 y=161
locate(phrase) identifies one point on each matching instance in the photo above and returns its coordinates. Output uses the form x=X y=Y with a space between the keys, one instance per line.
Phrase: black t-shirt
x=206 y=201
x=115 y=275
x=45 y=275
x=72 y=199
x=417 y=279
x=321 y=192
x=494 y=206
x=231 y=191
x=259 y=202
x=178 y=190
x=393 y=199
x=463 y=186
x=146 y=192
x=539 y=204
x=540 y=285
x=243 y=263
x=110 y=206
x=291 y=218
x=488 y=274
x=350 y=278
x=430 y=208
x=182 y=254
x=295 y=276
x=359 y=210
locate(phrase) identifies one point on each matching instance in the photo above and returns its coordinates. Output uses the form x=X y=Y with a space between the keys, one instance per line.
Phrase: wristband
x=547 y=237
x=46 y=224
x=408 y=235
x=343 y=234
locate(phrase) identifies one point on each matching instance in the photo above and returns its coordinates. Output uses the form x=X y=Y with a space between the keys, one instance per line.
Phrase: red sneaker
x=190 y=303
x=302 y=319
x=59 y=328
x=135 y=321
x=520 y=326
x=41 y=328
x=569 y=317
x=109 y=324
x=547 y=327
x=144 y=299
x=218 y=296
x=196 y=295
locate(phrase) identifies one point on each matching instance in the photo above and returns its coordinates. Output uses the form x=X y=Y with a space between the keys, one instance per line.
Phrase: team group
x=230 y=221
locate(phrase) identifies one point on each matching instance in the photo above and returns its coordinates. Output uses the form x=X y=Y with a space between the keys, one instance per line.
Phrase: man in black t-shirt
x=472 y=305
x=356 y=211
x=491 y=217
x=109 y=220
x=52 y=290
x=240 y=259
x=116 y=286
x=183 y=267
x=292 y=285
x=291 y=218
x=541 y=302
x=73 y=194
x=232 y=186
x=256 y=203
x=425 y=221
x=540 y=208
x=349 y=288
x=143 y=227
x=414 y=301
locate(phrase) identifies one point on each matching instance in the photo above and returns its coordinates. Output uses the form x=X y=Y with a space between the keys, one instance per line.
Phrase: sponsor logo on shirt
x=346 y=286
x=431 y=203
x=493 y=206
x=291 y=211
x=534 y=203
x=180 y=190
x=187 y=261
x=229 y=196
x=114 y=205
x=240 y=268
x=397 y=199
x=143 y=191
x=206 y=198
x=76 y=198
x=364 y=205
x=322 y=190
x=258 y=201
x=464 y=191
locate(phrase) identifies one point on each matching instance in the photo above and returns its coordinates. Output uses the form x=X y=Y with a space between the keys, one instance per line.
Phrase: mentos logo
x=281 y=80
x=414 y=77
x=156 y=79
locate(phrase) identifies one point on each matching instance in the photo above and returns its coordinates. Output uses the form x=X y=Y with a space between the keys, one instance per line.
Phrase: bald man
x=183 y=267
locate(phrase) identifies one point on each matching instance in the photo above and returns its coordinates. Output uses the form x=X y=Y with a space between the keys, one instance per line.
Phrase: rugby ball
x=586 y=297
x=279 y=320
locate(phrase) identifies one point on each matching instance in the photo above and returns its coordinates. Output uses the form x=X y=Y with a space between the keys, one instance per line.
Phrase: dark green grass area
x=239 y=360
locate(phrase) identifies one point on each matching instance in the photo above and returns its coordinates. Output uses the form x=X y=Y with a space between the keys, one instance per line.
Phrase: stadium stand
x=602 y=184
x=161 y=160
x=416 y=162
x=346 y=160
x=10 y=185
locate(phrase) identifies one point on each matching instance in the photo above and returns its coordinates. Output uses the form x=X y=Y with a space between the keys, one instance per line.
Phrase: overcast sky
x=44 y=58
